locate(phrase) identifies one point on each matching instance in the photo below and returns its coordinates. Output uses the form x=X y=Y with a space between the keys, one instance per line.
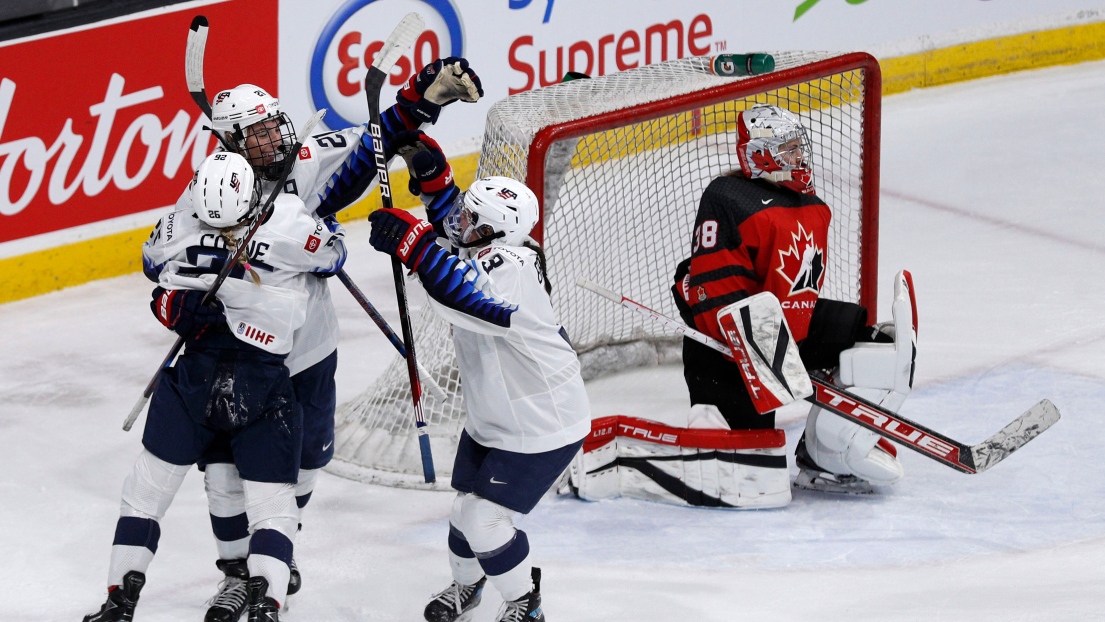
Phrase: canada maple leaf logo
x=803 y=263
x=765 y=162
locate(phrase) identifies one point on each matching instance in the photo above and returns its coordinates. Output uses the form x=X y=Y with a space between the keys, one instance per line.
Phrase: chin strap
x=481 y=241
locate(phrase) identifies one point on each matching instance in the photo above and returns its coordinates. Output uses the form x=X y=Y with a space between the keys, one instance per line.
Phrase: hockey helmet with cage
x=251 y=123
x=492 y=208
x=225 y=192
x=772 y=144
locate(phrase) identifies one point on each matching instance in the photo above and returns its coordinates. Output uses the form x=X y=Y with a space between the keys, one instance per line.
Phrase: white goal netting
x=619 y=163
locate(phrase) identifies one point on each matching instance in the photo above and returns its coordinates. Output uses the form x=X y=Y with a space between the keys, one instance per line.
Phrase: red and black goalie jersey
x=751 y=236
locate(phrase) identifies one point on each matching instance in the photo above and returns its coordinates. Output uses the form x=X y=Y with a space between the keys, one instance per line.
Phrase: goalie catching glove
x=439 y=84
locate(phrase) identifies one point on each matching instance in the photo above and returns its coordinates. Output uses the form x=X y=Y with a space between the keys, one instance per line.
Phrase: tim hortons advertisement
x=518 y=45
x=96 y=123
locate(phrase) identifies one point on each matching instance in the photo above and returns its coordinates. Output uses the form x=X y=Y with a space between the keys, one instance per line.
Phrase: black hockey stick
x=435 y=389
x=931 y=444
x=400 y=39
x=262 y=216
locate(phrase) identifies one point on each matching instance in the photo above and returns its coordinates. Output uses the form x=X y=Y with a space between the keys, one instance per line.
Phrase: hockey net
x=619 y=163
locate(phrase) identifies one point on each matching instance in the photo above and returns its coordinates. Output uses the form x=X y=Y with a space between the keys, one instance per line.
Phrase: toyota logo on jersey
x=349 y=43
x=803 y=263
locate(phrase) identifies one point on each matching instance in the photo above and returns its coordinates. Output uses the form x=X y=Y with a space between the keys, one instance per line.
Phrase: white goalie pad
x=624 y=456
x=764 y=349
x=887 y=366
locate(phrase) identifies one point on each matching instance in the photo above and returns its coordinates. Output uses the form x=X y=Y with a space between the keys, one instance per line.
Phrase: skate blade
x=823 y=482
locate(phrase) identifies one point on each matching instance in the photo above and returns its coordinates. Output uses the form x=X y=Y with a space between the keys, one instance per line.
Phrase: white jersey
x=320 y=161
x=289 y=246
x=522 y=386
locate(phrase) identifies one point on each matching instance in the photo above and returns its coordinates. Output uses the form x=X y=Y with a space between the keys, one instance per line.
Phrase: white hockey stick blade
x=401 y=38
x=193 y=55
x=655 y=316
x=1014 y=436
x=309 y=126
x=134 y=413
x=434 y=389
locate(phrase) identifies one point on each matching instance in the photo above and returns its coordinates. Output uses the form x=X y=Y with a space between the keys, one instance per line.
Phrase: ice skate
x=229 y=603
x=455 y=603
x=295 y=581
x=813 y=477
x=261 y=608
x=526 y=608
x=121 y=600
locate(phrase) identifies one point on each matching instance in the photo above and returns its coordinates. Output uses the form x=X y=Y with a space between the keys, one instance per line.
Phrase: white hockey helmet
x=772 y=144
x=492 y=208
x=251 y=123
x=225 y=192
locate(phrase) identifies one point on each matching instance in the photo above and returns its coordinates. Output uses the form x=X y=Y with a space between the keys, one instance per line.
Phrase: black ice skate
x=813 y=477
x=121 y=600
x=229 y=603
x=526 y=608
x=455 y=603
x=261 y=608
x=295 y=581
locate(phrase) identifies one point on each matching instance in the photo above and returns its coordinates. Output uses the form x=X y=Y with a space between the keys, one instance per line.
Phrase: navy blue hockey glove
x=400 y=234
x=180 y=311
x=430 y=171
x=438 y=84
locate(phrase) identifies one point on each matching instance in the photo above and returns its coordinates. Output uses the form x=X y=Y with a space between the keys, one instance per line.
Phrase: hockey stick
x=262 y=216
x=931 y=444
x=400 y=39
x=435 y=389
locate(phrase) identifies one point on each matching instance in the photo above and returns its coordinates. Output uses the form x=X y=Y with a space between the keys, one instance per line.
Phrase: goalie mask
x=492 y=208
x=773 y=145
x=250 y=121
x=225 y=192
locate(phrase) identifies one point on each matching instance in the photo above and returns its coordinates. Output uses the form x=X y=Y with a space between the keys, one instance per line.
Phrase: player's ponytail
x=232 y=245
x=541 y=266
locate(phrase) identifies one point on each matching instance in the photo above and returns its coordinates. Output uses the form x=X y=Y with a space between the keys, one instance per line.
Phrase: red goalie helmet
x=772 y=144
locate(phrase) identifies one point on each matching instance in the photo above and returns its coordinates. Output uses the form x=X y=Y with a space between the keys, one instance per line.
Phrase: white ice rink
x=991 y=196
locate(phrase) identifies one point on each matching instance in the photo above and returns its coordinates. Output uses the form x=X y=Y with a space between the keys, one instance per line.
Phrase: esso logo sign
x=352 y=38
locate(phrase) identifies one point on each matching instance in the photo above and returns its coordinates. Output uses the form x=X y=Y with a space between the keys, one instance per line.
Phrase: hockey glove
x=440 y=83
x=180 y=311
x=430 y=171
x=400 y=234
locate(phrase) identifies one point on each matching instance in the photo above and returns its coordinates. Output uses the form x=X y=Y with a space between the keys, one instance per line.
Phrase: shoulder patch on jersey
x=304 y=153
x=483 y=252
x=312 y=244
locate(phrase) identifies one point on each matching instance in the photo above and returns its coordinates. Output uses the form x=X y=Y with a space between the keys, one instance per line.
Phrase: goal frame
x=872 y=134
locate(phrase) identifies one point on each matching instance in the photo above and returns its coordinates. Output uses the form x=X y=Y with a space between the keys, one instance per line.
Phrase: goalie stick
x=400 y=39
x=231 y=261
x=965 y=458
x=193 y=75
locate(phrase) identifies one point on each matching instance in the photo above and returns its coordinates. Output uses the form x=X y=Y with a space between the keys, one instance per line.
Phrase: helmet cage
x=762 y=148
x=266 y=144
x=492 y=208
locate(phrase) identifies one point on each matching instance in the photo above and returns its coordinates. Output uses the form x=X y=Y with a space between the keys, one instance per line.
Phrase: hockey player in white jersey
x=527 y=411
x=332 y=170
x=231 y=380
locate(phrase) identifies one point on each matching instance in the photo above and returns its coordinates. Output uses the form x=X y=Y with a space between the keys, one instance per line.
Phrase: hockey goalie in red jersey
x=763 y=229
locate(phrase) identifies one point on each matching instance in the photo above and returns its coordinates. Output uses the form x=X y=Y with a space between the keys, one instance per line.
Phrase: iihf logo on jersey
x=803 y=264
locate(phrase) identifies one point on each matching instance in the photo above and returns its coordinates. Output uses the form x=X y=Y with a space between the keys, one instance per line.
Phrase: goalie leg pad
x=841 y=447
x=712 y=468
